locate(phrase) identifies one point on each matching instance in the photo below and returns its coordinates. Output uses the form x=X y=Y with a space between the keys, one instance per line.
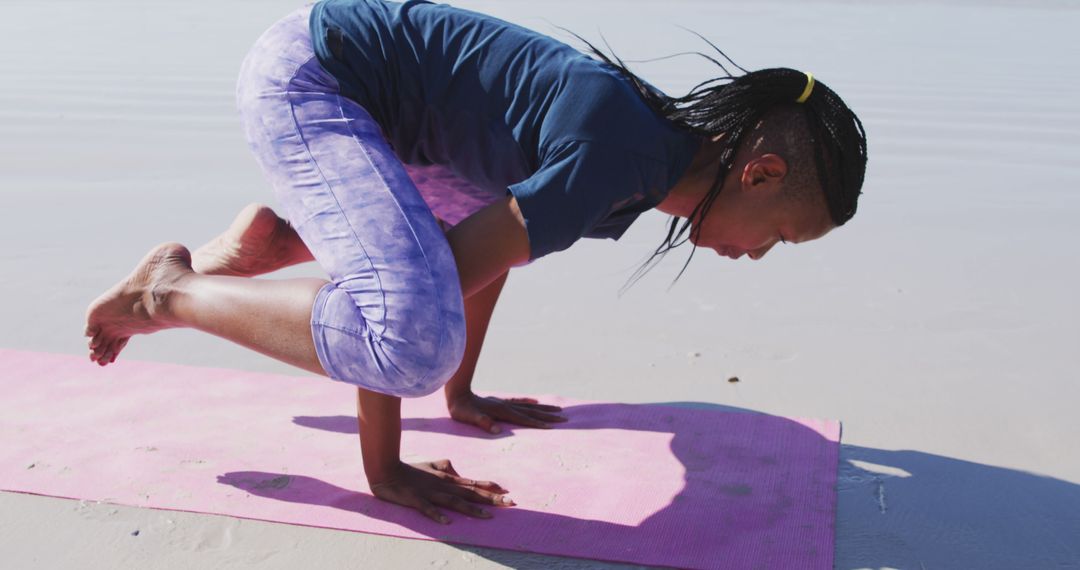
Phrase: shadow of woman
x=911 y=509
x=896 y=509
x=755 y=490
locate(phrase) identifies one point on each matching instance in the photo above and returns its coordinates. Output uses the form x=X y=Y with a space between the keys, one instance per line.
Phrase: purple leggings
x=392 y=318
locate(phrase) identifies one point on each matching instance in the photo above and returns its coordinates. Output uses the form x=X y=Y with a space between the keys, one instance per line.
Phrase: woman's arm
x=488 y=243
x=485 y=246
x=478 y=310
x=491 y=239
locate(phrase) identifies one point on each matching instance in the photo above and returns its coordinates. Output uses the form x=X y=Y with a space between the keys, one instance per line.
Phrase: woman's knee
x=412 y=359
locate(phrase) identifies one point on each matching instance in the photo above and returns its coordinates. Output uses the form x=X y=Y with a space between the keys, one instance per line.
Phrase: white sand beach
x=940 y=325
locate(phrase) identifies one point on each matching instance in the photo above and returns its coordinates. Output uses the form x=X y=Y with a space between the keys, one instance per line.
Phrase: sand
x=939 y=325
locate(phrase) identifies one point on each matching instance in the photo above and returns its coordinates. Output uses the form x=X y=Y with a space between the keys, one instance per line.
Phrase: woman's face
x=752 y=214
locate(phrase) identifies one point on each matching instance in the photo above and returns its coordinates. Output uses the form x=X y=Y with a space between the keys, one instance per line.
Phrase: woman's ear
x=767 y=170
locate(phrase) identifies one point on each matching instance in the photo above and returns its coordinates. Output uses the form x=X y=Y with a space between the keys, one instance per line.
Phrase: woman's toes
x=96 y=341
x=110 y=352
x=101 y=350
x=117 y=347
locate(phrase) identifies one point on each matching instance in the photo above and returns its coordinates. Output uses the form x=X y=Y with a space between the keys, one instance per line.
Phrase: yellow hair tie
x=809 y=87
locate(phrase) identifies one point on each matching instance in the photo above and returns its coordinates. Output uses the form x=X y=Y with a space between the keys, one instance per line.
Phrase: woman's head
x=771 y=190
x=756 y=118
x=785 y=111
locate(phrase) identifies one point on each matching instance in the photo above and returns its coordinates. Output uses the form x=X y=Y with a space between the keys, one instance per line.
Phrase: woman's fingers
x=511 y=414
x=475 y=495
x=532 y=403
x=538 y=411
x=485 y=412
x=449 y=475
x=484 y=422
x=409 y=497
x=546 y=416
x=527 y=416
x=431 y=511
x=473 y=415
x=426 y=486
x=445 y=466
x=487 y=486
x=459 y=504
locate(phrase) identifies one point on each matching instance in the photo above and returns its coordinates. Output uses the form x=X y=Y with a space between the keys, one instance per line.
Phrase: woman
x=417 y=153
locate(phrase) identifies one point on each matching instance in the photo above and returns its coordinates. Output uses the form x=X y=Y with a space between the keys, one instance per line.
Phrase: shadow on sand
x=896 y=509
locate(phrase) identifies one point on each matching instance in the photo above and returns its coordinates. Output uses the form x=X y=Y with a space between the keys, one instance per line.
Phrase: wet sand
x=939 y=325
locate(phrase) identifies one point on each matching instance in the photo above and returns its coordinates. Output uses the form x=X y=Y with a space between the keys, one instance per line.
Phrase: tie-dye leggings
x=392 y=318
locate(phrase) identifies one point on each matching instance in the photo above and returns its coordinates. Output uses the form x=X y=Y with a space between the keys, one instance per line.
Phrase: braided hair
x=732 y=105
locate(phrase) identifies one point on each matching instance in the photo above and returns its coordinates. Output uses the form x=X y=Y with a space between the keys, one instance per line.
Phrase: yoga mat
x=642 y=484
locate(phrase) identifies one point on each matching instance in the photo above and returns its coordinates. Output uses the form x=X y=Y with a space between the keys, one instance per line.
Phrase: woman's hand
x=426 y=484
x=482 y=412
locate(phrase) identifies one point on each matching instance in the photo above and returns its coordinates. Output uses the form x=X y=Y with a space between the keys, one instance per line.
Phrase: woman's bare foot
x=257 y=242
x=136 y=304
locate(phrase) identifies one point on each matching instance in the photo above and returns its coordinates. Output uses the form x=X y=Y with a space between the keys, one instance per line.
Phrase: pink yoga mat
x=642 y=484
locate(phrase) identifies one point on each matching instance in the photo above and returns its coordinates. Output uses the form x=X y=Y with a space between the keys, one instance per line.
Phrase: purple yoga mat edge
x=839 y=426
